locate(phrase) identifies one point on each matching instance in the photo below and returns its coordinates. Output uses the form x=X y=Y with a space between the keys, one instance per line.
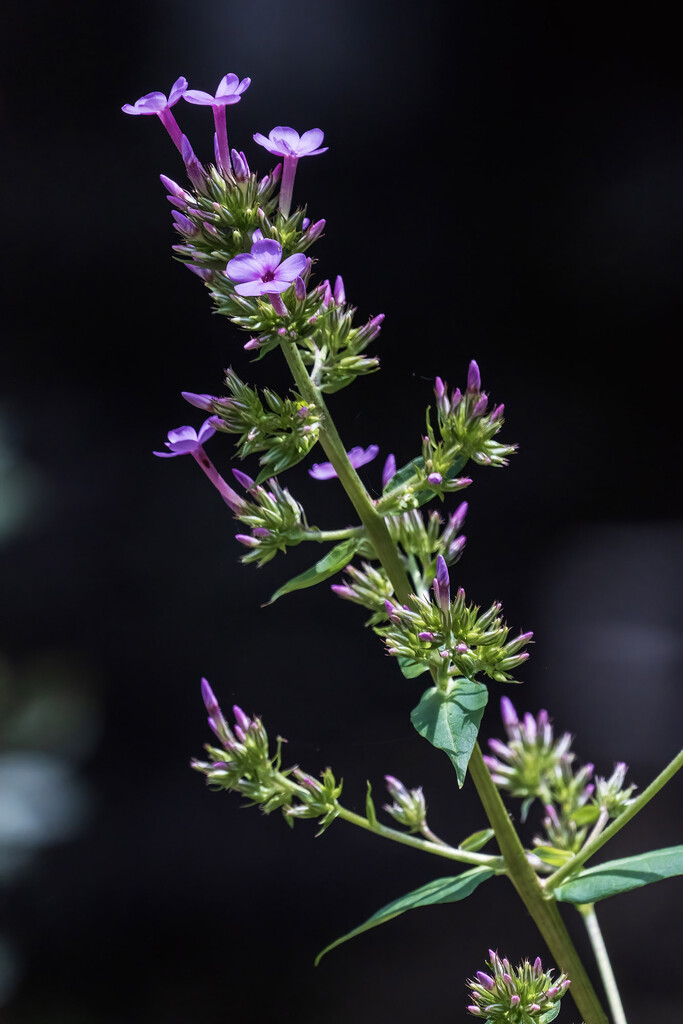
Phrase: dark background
x=504 y=183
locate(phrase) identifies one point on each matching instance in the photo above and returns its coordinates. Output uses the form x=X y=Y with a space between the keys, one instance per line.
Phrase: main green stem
x=544 y=912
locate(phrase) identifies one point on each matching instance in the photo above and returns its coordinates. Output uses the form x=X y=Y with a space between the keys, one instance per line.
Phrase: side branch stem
x=597 y=942
x=590 y=848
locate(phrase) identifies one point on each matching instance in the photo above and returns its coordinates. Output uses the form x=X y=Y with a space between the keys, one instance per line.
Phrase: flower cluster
x=239 y=237
x=285 y=429
x=516 y=995
x=276 y=520
x=452 y=637
x=533 y=764
x=243 y=763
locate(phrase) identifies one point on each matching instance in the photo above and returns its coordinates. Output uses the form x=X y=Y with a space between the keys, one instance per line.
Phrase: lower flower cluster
x=516 y=995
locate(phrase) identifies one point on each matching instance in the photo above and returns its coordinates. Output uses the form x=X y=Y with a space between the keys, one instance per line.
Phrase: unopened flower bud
x=473 y=378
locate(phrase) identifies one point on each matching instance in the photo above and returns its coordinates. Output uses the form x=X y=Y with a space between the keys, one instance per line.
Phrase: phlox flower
x=157 y=103
x=187 y=441
x=288 y=144
x=357 y=457
x=229 y=91
x=263 y=272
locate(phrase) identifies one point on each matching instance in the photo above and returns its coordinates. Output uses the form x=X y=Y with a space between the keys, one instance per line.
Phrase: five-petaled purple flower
x=288 y=144
x=157 y=103
x=261 y=271
x=229 y=91
x=357 y=457
x=186 y=441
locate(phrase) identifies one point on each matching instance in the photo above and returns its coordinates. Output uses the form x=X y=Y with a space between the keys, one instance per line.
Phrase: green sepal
x=441 y=890
x=616 y=876
x=450 y=721
x=370 y=812
x=335 y=560
x=553 y=855
x=476 y=840
x=412 y=668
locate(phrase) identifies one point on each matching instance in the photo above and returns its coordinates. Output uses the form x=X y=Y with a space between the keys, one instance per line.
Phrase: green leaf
x=412 y=668
x=550 y=1014
x=332 y=562
x=586 y=815
x=477 y=840
x=441 y=890
x=451 y=721
x=617 y=876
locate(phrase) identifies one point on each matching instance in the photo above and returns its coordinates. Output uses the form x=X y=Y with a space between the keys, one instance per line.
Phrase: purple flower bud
x=315 y=230
x=508 y=713
x=552 y=992
x=456 y=398
x=456 y=548
x=480 y=406
x=439 y=388
x=442 y=584
x=473 y=378
x=242 y=720
x=299 y=288
x=243 y=479
x=183 y=224
x=497 y=413
x=455 y=523
x=209 y=698
x=462 y=648
x=342 y=590
x=175 y=189
x=391 y=612
x=486 y=980
x=195 y=171
x=260 y=531
x=249 y=542
x=533 y=1007
x=475 y=1011
x=240 y=166
x=426 y=635
x=538 y=965
x=389 y=471
x=515 y=999
x=199 y=401
x=339 y=293
x=202 y=272
x=435 y=478
x=252 y=344
x=530 y=726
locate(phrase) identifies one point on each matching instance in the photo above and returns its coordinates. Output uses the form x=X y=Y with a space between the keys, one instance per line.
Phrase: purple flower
x=229 y=91
x=261 y=272
x=357 y=457
x=287 y=143
x=389 y=471
x=157 y=103
x=186 y=441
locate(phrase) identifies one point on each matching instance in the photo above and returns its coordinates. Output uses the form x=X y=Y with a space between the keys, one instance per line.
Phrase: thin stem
x=440 y=849
x=544 y=913
x=590 y=920
x=323 y=535
x=376 y=528
x=590 y=848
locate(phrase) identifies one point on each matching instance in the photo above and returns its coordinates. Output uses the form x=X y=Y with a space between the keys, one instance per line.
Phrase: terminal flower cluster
x=516 y=995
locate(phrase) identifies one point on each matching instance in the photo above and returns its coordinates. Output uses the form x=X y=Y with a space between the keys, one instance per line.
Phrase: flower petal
x=198 y=97
x=292 y=267
x=310 y=140
x=243 y=268
x=177 y=90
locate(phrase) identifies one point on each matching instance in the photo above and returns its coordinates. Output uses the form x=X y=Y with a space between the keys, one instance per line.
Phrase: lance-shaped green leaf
x=615 y=876
x=441 y=890
x=335 y=560
x=451 y=721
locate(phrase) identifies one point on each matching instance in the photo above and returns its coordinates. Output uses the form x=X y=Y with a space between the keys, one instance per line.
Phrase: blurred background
x=504 y=183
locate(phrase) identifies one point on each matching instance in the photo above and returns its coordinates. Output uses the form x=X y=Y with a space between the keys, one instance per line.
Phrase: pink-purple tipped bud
x=389 y=470
x=299 y=288
x=391 y=612
x=473 y=378
x=442 y=584
x=515 y=1000
x=199 y=401
x=242 y=720
x=508 y=713
x=486 y=980
x=240 y=166
x=315 y=230
x=209 y=698
x=435 y=479
x=339 y=292
x=252 y=344
x=243 y=479
x=480 y=406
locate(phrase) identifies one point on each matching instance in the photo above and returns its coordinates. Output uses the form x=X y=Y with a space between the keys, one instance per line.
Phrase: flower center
x=268 y=276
